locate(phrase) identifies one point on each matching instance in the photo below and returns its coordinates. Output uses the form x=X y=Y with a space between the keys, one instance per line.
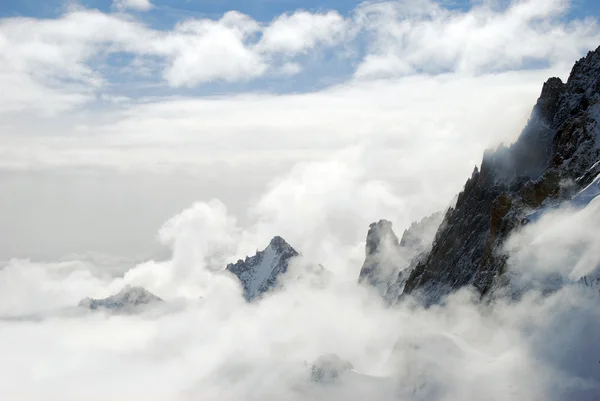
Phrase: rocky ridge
x=556 y=156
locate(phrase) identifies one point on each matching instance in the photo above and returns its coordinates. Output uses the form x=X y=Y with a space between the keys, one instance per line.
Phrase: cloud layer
x=207 y=342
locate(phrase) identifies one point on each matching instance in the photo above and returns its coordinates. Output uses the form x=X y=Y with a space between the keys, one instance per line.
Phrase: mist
x=207 y=342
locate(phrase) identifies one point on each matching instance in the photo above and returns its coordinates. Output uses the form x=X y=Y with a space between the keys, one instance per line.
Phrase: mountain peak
x=280 y=244
x=378 y=232
x=259 y=273
x=129 y=297
x=382 y=259
x=584 y=70
x=548 y=101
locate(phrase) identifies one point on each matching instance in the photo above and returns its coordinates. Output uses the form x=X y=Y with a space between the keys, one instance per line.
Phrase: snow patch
x=261 y=272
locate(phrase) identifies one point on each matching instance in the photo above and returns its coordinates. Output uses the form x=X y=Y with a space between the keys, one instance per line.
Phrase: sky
x=262 y=10
x=117 y=115
x=149 y=143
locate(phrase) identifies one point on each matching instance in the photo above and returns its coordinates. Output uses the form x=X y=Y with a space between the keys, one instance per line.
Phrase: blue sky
x=319 y=69
x=174 y=9
x=329 y=44
x=168 y=11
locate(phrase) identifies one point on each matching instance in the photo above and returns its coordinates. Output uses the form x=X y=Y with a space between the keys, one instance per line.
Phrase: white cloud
x=58 y=58
x=422 y=36
x=563 y=245
x=302 y=31
x=138 y=5
x=50 y=59
x=423 y=144
x=204 y=51
x=64 y=62
x=219 y=347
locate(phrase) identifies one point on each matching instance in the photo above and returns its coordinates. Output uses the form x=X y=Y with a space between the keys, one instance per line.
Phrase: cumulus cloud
x=205 y=50
x=423 y=36
x=301 y=31
x=48 y=55
x=66 y=61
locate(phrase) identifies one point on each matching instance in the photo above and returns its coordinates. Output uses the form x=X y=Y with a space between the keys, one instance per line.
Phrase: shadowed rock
x=561 y=143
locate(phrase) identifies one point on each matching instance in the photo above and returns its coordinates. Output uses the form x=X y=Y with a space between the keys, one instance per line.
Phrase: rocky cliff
x=554 y=158
x=388 y=261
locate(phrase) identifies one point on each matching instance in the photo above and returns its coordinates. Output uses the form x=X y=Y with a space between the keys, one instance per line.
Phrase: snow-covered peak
x=260 y=272
x=128 y=297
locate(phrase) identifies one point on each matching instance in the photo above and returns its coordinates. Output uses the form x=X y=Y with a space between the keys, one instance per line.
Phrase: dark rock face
x=259 y=273
x=328 y=368
x=129 y=298
x=561 y=143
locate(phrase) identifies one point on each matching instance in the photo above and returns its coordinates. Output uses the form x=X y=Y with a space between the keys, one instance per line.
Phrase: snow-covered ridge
x=128 y=298
x=259 y=273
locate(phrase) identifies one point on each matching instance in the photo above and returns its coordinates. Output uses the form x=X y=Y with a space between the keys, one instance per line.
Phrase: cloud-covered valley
x=207 y=342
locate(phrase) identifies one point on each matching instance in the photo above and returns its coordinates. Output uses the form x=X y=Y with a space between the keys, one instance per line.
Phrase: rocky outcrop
x=383 y=256
x=128 y=299
x=389 y=260
x=259 y=273
x=560 y=144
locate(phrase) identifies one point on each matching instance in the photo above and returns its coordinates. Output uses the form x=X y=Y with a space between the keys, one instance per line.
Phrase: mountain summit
x=259 y=273
x=128 y=298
